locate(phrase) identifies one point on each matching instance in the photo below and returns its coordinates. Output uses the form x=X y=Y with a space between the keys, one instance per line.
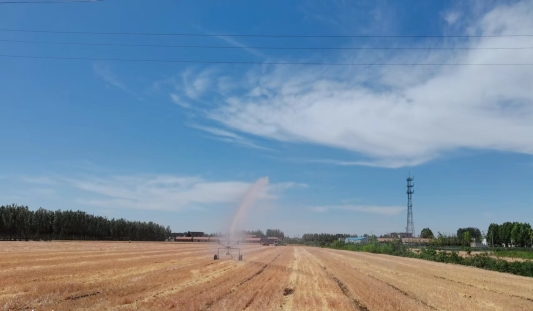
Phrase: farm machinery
x=228 y=248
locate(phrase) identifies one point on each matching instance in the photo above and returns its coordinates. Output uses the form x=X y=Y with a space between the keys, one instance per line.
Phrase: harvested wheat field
x=176 y=276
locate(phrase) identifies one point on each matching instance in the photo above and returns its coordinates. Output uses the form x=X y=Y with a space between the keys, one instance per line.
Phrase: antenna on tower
x=410 y=229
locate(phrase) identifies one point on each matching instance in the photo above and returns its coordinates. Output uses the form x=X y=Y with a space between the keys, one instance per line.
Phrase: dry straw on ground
x=176 y=276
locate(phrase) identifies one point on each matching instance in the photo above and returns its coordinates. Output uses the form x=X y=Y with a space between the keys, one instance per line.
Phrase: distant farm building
x=356 y=240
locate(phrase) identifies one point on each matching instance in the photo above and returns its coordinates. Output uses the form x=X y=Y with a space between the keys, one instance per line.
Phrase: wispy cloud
x=237 y=43
x=41 y=180
x=103 y=71
x=381 y=210
x=155 y=192
x=179 y=101
x=392 y=163
x=189 y=88
x=397 y=116
x=195 y=83
x=452 y=17
x=349 y=17
x=228 y=136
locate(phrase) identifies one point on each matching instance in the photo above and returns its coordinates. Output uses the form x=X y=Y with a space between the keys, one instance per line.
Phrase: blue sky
x=180 y=143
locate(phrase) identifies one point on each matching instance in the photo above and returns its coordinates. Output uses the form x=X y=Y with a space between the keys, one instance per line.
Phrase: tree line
x=510 y=233
x=20 y=223
x=322 y=239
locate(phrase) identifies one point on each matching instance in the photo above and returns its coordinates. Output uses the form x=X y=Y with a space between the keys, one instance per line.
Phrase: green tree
x=426 y=233
x=466 y=238
x=505 y=233
x=475 y=233
x=493 y=235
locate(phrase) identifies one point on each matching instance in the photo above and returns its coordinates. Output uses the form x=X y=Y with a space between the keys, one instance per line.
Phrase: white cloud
x=452 y=17
x=381 y=210
x=379 y=163
x=41 y=180
x=227 y=136
x=195 y=84
x=157 y=192
x=103 y=71
x=398 y=116
x=178 y=101
x=236 y=43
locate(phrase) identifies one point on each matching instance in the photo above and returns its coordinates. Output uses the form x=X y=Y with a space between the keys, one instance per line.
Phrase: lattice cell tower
x=410 y=229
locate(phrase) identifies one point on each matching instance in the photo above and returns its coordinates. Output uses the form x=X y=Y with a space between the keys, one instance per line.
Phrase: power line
x=261 y=63
x=257 y=35
x=260 y=47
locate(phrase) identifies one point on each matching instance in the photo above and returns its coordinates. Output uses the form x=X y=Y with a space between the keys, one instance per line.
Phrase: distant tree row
x=275 y=233
x=257 y=233
x=19 y=223
x=396 y=235
x=507 y=234
x=510 y=233
x=469 y=233
x=321 y=239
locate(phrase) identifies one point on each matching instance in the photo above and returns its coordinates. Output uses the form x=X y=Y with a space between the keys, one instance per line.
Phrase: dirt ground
x=181 y=276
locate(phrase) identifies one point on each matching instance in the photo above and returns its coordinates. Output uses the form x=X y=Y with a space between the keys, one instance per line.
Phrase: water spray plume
x=250 y=196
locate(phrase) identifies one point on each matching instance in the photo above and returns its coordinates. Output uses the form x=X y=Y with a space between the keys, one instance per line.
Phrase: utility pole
x=410 y=229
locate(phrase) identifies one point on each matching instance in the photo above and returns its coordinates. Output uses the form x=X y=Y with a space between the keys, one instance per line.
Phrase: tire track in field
x=402 y=292
x=357 y=303
x=208 y=306
x=487 y=289
x=414 y=276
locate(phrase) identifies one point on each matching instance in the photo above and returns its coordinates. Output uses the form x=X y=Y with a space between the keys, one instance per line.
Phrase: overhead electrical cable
x=259 y=47
x=260 y=63
x=256 y=35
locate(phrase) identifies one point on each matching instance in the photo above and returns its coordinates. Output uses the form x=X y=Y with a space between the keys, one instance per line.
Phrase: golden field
x=184 y=276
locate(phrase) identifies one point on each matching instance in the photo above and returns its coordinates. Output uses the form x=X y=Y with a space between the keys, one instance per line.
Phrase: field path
x=184 y=276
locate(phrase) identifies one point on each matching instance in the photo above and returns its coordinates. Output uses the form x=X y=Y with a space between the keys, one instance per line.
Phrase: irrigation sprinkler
x=228 y=248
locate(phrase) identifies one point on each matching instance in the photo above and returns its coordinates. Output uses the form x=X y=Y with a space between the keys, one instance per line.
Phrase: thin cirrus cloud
x=395 y=116
x=103 y=71
x=37 y=180
x=380 y=210
x=227 y=136
x=157 y=192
